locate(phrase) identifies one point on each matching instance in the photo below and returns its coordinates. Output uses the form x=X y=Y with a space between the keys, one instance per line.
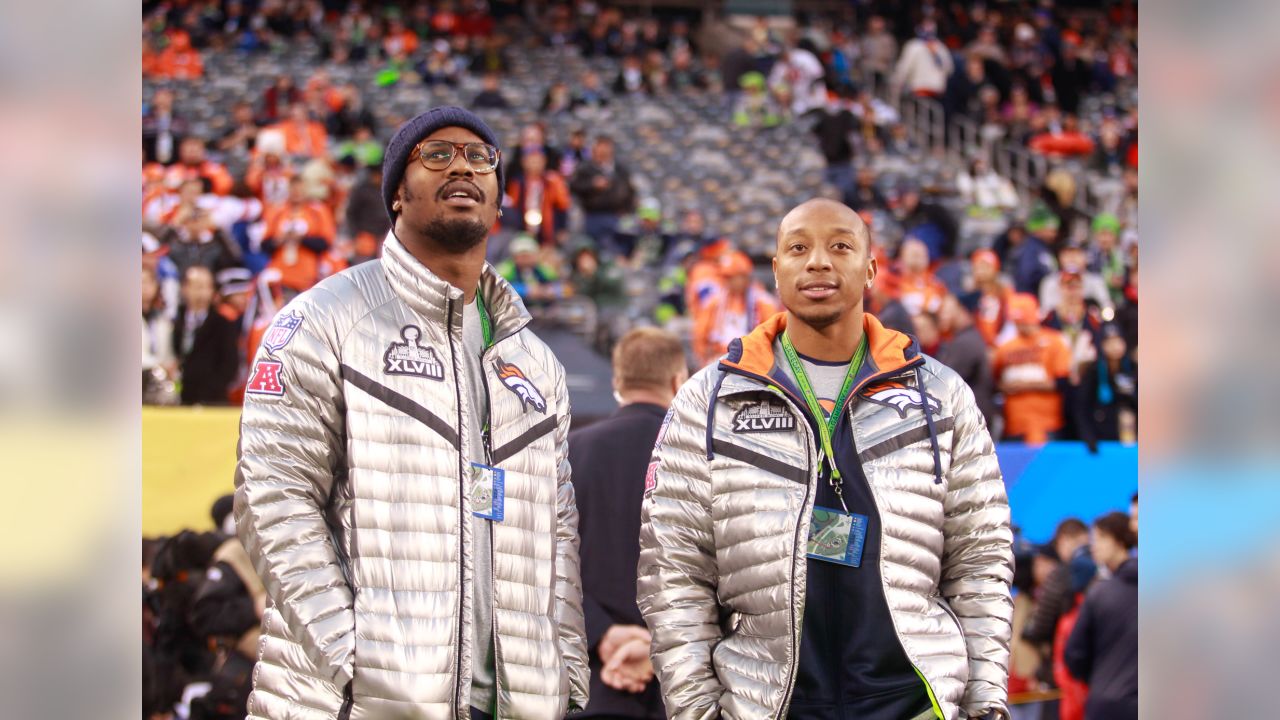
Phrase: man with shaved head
x=825 y=532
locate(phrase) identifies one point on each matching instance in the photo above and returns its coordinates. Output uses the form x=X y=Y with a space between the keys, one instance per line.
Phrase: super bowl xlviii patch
x=264 y=379
x=662 y=429
x=514 y=379
x=282 y=331
x=411 y=358
x=902 y=399
x=763 y=417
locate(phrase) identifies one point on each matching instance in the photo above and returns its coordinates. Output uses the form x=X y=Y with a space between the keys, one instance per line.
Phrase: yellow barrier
x=188 y=461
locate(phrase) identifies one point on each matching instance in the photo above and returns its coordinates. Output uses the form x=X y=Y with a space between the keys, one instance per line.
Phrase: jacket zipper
x=462 y=566
x=493 y=566
x=795 y=542
x=781 y=391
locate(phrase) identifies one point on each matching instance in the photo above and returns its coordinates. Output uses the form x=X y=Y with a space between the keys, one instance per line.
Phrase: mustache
x=455 y=185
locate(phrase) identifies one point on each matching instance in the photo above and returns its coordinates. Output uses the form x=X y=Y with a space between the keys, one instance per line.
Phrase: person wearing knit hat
x=1031 y=369
x=735 y=311
x=390 y=412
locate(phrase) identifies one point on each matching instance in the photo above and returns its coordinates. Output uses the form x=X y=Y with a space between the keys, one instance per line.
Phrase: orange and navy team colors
x=1033 y=414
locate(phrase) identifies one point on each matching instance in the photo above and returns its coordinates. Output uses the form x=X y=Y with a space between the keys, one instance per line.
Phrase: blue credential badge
x=488 y=492
x=836 y=536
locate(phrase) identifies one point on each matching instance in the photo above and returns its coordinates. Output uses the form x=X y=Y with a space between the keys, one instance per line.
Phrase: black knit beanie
x=412 y=133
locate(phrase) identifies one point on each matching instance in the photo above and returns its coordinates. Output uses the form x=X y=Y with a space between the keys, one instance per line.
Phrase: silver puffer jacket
x=353 y=497
x=724 y=525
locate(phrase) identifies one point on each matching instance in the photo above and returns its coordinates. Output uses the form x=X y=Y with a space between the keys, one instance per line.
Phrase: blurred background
x=650 y=151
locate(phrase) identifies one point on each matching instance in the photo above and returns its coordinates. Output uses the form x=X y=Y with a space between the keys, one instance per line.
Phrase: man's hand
x=617 y=636
x=629 y=669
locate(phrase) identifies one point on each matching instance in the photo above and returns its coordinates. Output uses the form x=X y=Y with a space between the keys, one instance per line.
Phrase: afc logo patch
x=651 y=478
x=902 y=399
x=265 y=378
x=282 y=331
x=763 y=417
x=513 y=379
x=410 y=358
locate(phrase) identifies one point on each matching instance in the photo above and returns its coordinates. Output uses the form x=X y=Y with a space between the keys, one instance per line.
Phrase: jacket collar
x=888 y=351
x=432 y=297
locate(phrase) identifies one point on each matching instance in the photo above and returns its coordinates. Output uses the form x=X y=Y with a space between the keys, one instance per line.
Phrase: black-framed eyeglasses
x=439 y=154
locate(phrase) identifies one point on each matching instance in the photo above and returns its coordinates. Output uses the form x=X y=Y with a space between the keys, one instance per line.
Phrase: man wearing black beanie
x=403 y=484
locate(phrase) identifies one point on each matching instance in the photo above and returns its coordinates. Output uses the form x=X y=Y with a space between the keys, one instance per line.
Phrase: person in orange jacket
x=179 y=61
x=194 y=164
x=299 y=235
x=539 y=198
x=732 y=313
x=302 y=135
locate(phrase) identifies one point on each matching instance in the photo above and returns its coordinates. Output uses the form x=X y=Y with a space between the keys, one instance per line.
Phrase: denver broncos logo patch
x=903 y=398
x=513 y=379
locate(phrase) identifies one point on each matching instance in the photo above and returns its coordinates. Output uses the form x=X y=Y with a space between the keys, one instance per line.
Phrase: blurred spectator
x=879 y=48
x=363 y=147
x=1073 y=261
x=733 y=313
x=439 y=67
x=1080 y=327
x=643 y=239
x=986 y=47
x=366 y=215
x=492 y=56
x=600 y=282
x=537 y=282
x=303 y=136
x=797 y=79
x=558 y=99
x=917 y=288
x=755 y=107
x=179 y=61
x=268 y=176
x=965 y=89
x=398 y=39
x=924 y=66
x=1026 y=254
x=928 y=332
x=539 y=199
x=1071 y=77
x=648 y=369
x=1106 y=257
x=991 y=316
x=603 y=188
x=194 y=165
x=204 y=341
x=158 y=363
x=1106 y=402
x=243 y=133
x=865 y=196
x=983 y=189
x=533 y=139
x=1103 y=648
x=347 y=113
x=590 y=94
x=1063 y=141
x=490 y=95
x=278 y=98
x=192 y=236
x=1110 y=155
x=631 y=78
x=298 y=234
x=162 y=128
x=835 y=127
x=1060 y=591
x=691 y=236
x=928 y=222
x=685 y=76
x=1031 y=370
x=965 y=350
x=575 y=152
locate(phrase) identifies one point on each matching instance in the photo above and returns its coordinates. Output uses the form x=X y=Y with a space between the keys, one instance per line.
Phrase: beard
x=456 y=235
x=818 y=318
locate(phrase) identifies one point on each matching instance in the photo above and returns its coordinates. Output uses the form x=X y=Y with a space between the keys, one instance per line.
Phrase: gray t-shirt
x=482 y=649
x=826 y=378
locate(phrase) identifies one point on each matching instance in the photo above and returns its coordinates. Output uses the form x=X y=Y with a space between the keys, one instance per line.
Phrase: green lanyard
x=486 y=326
x=827 y=428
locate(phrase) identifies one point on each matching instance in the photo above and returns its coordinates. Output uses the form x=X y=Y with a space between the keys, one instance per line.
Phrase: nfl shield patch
x=282 y=331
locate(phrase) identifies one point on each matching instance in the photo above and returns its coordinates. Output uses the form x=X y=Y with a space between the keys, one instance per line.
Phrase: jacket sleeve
x=1054 y=600
x=676 y=576
x=977 y=558
x=291 y=452
x=573 y=641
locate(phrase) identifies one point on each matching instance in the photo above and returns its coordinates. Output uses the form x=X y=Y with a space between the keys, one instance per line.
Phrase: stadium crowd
x=1029 y=292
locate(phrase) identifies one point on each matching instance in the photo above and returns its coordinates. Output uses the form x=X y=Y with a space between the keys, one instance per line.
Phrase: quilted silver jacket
x=722 y=562
x=353 y=497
